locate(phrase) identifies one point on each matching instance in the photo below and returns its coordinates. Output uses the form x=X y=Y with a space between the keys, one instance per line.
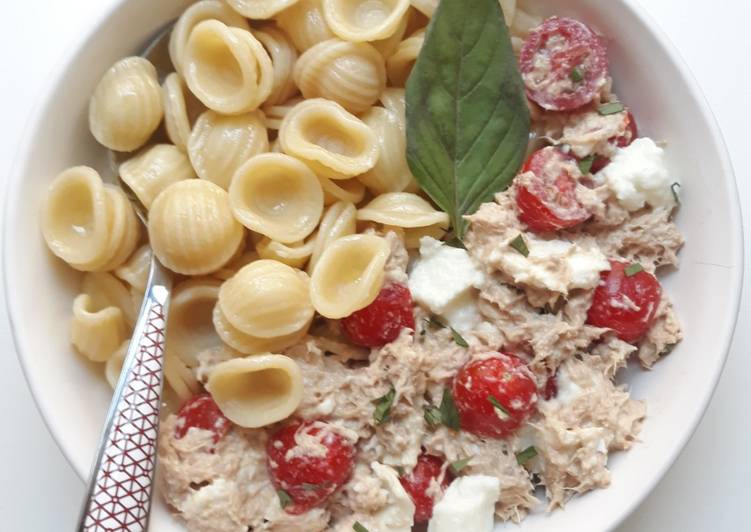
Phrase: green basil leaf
x=383 y=406
x=611 y=108
x=458 y=338
x=449 y=412
x=284 y=498
x=433 y=416
x=585 y=165
x=520 y=245
x=632 y=269
x=457 y=466
x=527 y=454
x=498 y=406
x=675 y=192
x=576 y=74
x=467 y=117
x=358 y=527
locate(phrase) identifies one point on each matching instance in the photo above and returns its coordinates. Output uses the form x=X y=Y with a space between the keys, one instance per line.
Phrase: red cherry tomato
x=417 y=482
x=494 y=396
x=381 y=322
x=564 y=64
x=548 y=201
x=308 y=480
x=203 y=413
x=551 y=388
x=631 y=134
x=625 y=303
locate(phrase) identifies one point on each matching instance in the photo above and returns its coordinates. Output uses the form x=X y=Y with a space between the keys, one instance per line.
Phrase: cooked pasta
x=258 y=390
x=194 y=15
x=106 y=290
x=426 y=7
x=348 y=275
x=391 y=173
x=275 y=113
x=388 y=46
x=219 y=145
x=227 y=68
x=393 y=99
x=126 y=107
x=413 y=235
x=234 y=265
x=350 y=190
x=295 y=254
x=351 y=74
x=333 y=142
x=260 y=9
x=181 y=109
x=283 y=57
x=249 y=344
x=267 y=299
x=339 y=220
x=277 y=196
x=191 y=227
x=114 y=365
x=364 y=20
x=95 y=331
x=158 y=167
x=304 y=23
x=399 y=64
x=124 y=228
x=180 y=377
x=402 y=209
x=135 y=271
x=191 y=329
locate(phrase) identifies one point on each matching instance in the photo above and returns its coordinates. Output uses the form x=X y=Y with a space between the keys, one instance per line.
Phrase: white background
x=707 y=489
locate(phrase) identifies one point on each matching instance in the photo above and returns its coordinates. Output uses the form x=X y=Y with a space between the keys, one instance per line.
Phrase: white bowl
x=650 y=77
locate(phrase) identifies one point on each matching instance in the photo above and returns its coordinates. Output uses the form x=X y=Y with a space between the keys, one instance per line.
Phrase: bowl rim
x=74 y=47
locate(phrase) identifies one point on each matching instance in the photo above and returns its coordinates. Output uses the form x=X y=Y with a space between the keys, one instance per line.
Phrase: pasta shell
x=295 y=254
x=124 y=228
x=402 y=209
x=277 y=196
x=227 y=68
x=248 y=344
x=283 y=58
x=412 y=236
x=180 y=378
x=523 y=23
x=96 y=332
x=426 y=7
x=349 y=190
x=256 y=391
x=194 y=15
x=333 y=142
x=364 y=20
x=150 y=172
x=388 y=46
x=114 y=365
x=275 y=113
x=126 y=107
x=351 y=74
x=267 y=299
x=349 y=275
x=338 y=221
x=219 y=145
x=234 y=265
x=181 y=109
x=106 y=290
x=191 y=227
x=135 y=271
x=191 y=327
x=304 y=23
x=399 y=65
x=260 y=9
x=391 y=173
x=394 y=99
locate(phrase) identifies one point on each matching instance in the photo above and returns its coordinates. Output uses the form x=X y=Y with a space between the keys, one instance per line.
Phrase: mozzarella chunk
x=468 y=505
x=398 y=514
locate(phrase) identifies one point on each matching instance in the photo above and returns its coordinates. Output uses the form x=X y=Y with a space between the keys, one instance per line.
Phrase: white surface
x=39 y=491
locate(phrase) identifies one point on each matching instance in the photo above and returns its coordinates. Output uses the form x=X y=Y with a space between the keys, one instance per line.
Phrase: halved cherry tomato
x=631 y=134
x=548 y=201
x=564 y=64
x=203 y=413
x=417 y=482
x=381 y=322
x=625 y=303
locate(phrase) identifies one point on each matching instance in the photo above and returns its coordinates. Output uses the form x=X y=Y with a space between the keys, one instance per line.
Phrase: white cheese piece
x=467 y=506
x=638 y=176
x=554 y=265
x=442 y=274
x=462 y=314
x=568 y=390
x=398 y=514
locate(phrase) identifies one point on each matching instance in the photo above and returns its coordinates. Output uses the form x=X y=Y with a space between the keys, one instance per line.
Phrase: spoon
x=120 y=486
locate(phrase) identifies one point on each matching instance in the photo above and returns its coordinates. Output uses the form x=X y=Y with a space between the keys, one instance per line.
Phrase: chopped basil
x=433 y=321
x=457 y=466
x=633 y=269
x=527 y=454
x=455 y=243
x=497 y=404
x=307 y=486
x=400 y=470
x=433 y=416
x=449 y=413
x=520 y=245
x=585 y=165
x=284 y=498
x=458 y=338
x=611 y=108
x=576 y=74
x=675 y=192
x=358 y=527
x=383 y=406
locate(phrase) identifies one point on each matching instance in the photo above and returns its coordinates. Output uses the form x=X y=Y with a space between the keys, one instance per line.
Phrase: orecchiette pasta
x=260 y=9
x=106 y=290
x=233 y=266
x=219 y=145
x=388 y=46
x=96 y=332
x=338 y=221
x=277 y=196
x=295 y=254
x=249 y=344
x=150 y=172
x=348 y=275
x=114 y=364
x=181 y=109
x=350 y=190
x=227 y=68
x=180 y=377
x=402 y=209
x=124 y=228
x=426 y=7
x=523 y=22
x=275 y=113
x=191 y=227
x=364 y=20
x=267 y=299
x=333 y=142
x=191 y=328
x=258 y=390
x=135 y=271
x=283 y=57
x=351 y=74
x=126 y=107
x=413 y=235
x=304 y=23
x=399 y=64
x=391 y=173
x=194 y=15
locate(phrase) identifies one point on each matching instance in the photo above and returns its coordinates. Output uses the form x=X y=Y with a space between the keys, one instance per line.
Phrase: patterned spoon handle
x=120 y=486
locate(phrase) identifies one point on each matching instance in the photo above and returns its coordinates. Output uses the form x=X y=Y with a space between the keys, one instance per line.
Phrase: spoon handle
x=120 y=486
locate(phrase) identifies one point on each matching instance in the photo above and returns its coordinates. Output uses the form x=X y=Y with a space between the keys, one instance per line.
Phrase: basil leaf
x=449 y=413
x=457 y=466
x=433 y=416
x=520 y=245
x=357 y=527
x=501 y=409
x=527 y=454
x=458 y=338
x=467 y=117
x=308 y=486
x=611 y=108
x=433 y=321
x=576 y=75
x=675 y=192
x=585 y=165
x=284 y=498
x=632 y=269
x=383 y=406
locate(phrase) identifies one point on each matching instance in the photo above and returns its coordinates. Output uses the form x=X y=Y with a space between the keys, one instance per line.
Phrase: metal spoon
x=120 y=486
